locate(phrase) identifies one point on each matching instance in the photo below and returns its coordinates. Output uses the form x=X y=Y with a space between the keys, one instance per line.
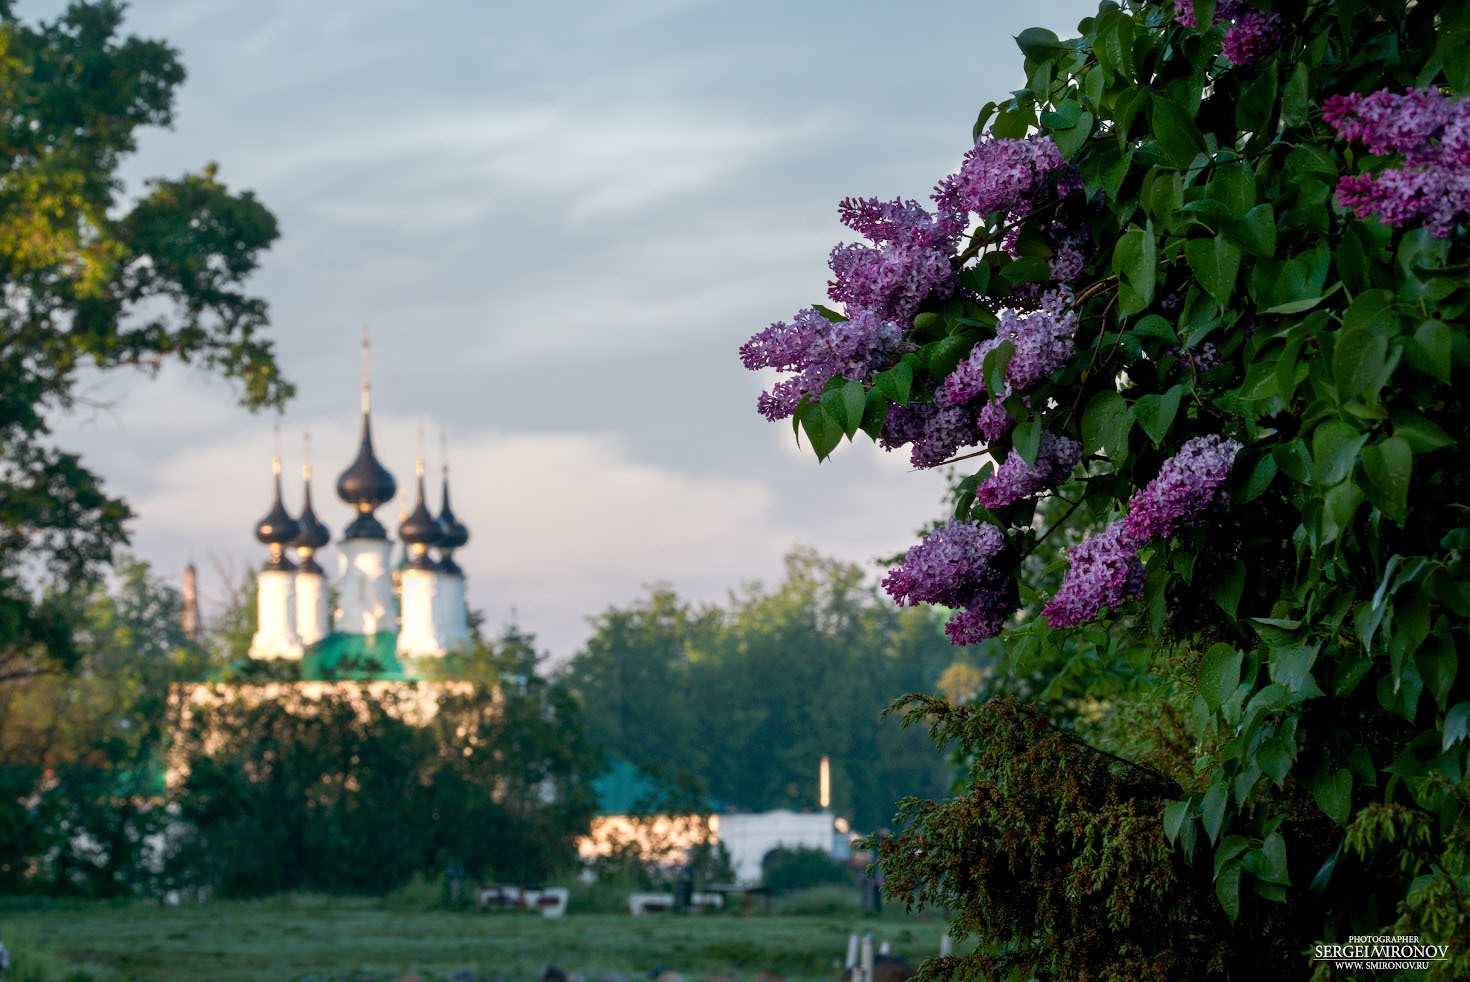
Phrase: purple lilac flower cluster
x=909 y=260
x=955 y=566
x=934 y=431
x=1190 y=484
x=1002 y=175
x=1105 y=571
x=1015 y=479
x=1042 y=341
x=1431 y=132
x=1250 y=33
x=1105 y=568
x=881 y=286
x=819 y=350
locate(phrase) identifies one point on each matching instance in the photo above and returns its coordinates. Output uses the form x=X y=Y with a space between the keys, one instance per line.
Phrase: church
x=376 y=618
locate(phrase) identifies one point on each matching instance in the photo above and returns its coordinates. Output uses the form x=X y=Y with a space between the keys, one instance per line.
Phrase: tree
x=1193 y=306
x=747 y=698
x=82 y=754
x=91 y=281
x=288 y=786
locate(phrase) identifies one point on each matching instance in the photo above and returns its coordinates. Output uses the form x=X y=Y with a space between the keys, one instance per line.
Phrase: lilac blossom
x=1105 y=568
x=909 y=260
x=1002 y=175
x=1198 y=360
x=1250 y=32
x=1388 y=122
x=995 y=422
x=1431 y=134
x=1015 y=479
x=936 y=431
x=1105 y=571
x=1191 y=484
x=819 y=350
x=1042 y=341
x=984 y=618
x=955 y=566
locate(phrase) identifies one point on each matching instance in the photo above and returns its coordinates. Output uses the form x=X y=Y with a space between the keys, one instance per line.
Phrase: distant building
x=382 y=615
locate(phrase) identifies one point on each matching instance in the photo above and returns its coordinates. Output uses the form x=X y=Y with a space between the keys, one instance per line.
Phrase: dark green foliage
x=82 y=754
x=91 y=281
x=290 y=786
x=1055 y=854
x=786 y=870
x=749 y=698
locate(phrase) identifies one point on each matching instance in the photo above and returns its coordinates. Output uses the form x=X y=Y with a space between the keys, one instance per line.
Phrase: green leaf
x=1105 y=425
x=1273 y=867
x=1227 y=589
x=1296 y=100
x=1334 y=794
x=1227 y=889
x=1360 y=365
x=1113 y=43
x=1234 y=186
x=1174 y=127
x=1438 y=665
x=1291 y=666
x=1255 y=231
x=1260 y=478
x=897 y=382
x=1294 y=306
x=1335 y=446
x=1070 y=139
x=1212 y=808
x=854 y=403
x=1038 y=43
x=1175 y=812
x=1429 y=349
x=1453 y=48
x=1215 y=262
x=822 y=431
x=1026 y=440
x=1219 y=674
x=1135 y=261
x=1229 y=848
x=1274 y=760
x=1389 y=466
x=1456 y=725
x=1027 y=269
x=993 y=366
x=944 y=354
x=1155 y=413
x=1258 y=101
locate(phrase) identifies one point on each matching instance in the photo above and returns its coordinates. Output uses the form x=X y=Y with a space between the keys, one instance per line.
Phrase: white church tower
x=418 y=637
x=275 y=603
x=366 y=587
x=452 y=615
x=312 y=622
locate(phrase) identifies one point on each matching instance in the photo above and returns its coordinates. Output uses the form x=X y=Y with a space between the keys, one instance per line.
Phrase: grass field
x=335 y=938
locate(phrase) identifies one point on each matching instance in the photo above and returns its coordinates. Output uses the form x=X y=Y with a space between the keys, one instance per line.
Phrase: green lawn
x=333 y=938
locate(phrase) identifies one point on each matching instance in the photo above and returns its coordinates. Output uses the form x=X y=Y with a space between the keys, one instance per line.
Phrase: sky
x=558 y=222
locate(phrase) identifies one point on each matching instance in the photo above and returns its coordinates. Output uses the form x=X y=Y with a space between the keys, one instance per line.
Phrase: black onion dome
x=419 y=528
x=314 y=534
x=366 y=484
x=453 y=533
x=364 y=526
x=277 y=528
